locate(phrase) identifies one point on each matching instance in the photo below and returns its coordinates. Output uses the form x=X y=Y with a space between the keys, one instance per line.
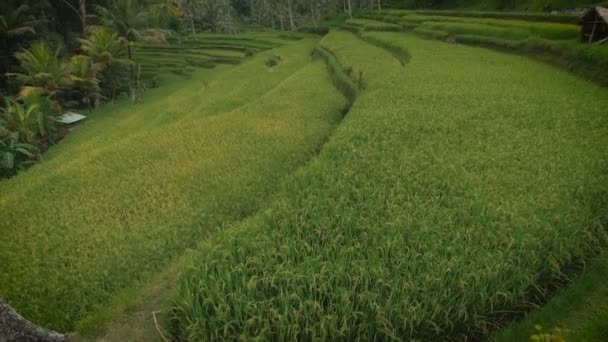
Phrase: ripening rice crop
x=137 y=185
x=452 y=193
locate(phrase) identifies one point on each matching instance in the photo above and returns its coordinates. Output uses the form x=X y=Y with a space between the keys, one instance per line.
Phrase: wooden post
x=593 y=29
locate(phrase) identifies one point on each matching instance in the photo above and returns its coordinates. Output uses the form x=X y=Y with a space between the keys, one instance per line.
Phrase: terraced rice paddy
x=440 y=190
x=453 y=193
x=136 y=186
x=182 y=56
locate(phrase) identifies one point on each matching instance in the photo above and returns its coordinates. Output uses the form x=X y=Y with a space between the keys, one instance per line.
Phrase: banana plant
x=30 y=118
x=14 y=155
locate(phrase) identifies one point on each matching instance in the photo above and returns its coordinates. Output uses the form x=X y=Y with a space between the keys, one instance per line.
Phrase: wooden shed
x=594 y=25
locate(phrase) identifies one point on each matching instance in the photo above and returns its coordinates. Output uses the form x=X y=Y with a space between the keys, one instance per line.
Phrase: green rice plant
x=373 y=25
x=524 y=16
x=192 y=157
x=451 y=197
x=478 y=29
x=580 y=310
x=509 y=27
x=431 y=33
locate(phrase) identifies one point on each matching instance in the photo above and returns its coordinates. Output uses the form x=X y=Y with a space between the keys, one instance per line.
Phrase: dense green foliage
x=452 y=193
x=137 y=185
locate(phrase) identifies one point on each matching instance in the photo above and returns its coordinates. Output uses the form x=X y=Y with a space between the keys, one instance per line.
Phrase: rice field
x=453 y=194
x=136 y=186
x=549 y=38
x=366 y=184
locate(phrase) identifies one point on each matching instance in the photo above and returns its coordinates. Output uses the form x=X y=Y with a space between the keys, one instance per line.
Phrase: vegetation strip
x=343 y=82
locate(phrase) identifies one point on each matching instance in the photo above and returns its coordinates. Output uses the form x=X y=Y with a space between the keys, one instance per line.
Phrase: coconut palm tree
x=17 y=24
x=126 y=18
x=42 y=68
x=105 y=53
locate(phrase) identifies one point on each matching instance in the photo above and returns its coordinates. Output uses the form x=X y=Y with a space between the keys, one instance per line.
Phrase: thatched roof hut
x=594 y=25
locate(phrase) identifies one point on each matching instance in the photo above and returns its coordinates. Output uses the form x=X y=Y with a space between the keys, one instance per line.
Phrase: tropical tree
x=85 y=87
x=17 y=25
x=126 y=18
x=106 y=55
x=42 y=68
x=104 y=48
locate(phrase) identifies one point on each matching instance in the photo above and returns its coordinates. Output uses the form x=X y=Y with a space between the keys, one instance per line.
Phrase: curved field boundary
x=343 y=82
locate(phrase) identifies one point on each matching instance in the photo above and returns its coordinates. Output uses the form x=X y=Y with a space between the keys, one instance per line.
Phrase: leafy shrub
x=14 y=154
x=273 y=60
x=28 y=119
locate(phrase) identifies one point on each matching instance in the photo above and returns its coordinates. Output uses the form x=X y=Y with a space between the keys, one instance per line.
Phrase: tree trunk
x=292 y=25
x=379 y=5
x=312 y=12
x=350 y=8
x=83 y=15
x=130 y=56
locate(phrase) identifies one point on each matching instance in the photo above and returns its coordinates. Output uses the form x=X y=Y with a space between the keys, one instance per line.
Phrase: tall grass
x=136 y=186
x=453 y=192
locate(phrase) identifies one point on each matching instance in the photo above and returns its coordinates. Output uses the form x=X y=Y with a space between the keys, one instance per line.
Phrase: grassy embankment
x=136 y=186
x=453 y=196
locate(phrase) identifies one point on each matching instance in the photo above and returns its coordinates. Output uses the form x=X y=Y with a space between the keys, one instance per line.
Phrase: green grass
x=453 y=195
x=581 y=310
x=137 y=185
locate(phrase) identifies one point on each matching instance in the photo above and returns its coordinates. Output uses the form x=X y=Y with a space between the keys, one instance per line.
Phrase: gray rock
x=15 y=328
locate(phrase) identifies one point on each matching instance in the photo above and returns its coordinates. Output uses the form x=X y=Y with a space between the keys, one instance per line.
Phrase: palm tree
x=103 y=50
x=84 y=81
x=41 y=68
x=16 y=25
x=126 y=18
